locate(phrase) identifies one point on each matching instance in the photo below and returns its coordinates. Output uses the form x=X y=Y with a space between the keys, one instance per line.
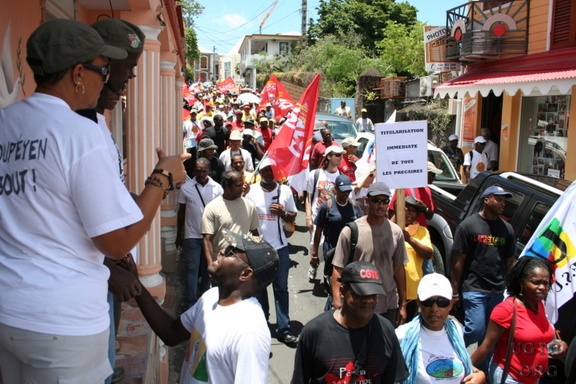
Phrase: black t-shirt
x=218 y=136
x=487 y=244
x=337 y=218
x=327 y=352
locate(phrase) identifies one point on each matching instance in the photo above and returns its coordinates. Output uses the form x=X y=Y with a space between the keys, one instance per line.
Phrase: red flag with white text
x=275 y=94
x=226 y=85
x=187 y=95
x=290 y=150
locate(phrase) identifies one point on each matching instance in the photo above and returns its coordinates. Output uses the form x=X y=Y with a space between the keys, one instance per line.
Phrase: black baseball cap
x=363 y=277
x=262 y=257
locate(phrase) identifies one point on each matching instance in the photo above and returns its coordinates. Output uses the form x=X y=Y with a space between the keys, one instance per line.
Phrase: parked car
x=448 y=179
x=341 y=127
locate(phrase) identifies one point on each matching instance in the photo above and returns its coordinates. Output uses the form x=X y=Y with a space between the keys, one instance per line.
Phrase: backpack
x=329 y=256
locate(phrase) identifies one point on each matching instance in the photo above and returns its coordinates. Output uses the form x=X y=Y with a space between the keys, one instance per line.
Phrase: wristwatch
x=167 y=174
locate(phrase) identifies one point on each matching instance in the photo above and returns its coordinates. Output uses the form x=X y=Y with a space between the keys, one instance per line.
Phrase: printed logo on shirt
x=490 y=240
x=444 y=368
x=195 y=358
x=480 y=166
x=347 y=375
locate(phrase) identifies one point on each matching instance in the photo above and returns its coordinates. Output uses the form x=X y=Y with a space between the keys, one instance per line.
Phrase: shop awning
x=548 y=72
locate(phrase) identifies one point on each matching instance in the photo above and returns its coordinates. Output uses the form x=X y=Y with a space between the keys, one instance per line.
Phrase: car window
x=538 y=212
x=362 y=147
x=512 y=205
x=441 y=162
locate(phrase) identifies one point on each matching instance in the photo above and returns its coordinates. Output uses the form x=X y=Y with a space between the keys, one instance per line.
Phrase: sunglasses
x=104 y=71
x=229 y=252
x=336 y=154
x=441 y=302
x=376 y=200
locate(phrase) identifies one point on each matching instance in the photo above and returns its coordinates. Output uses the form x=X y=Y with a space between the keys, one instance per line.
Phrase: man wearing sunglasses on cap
x=432 y=344
x=380 y=242
x=229 y=339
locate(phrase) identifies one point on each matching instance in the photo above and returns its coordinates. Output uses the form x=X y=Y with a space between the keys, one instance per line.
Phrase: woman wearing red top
x=527 y=283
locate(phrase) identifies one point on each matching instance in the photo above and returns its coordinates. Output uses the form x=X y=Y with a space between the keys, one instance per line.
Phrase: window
x=544 y=135
x=563 y=33
x=536 y=217
x=60 y=9
x=284 y=48
x=227 y=69
x=204 y=62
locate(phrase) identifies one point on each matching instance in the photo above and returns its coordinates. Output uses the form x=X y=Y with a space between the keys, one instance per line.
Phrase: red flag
x=275 y=94
x=189 y=97
x=226 y=85
x=290 y=150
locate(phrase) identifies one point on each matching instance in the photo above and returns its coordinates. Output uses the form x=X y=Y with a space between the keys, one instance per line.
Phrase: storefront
x=535 y=134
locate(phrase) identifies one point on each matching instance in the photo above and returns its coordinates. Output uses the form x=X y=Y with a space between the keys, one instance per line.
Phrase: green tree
x=403 y=48
x=340 y=63
x=366 y=18
x=190 y=10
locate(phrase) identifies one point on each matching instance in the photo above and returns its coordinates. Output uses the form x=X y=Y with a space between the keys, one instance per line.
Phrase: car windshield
x=341 y=128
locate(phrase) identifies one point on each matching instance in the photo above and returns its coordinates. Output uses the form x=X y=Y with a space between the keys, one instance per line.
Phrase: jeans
x=280 y=287
x=496 y=375
x=193 y=254
x=477 y=309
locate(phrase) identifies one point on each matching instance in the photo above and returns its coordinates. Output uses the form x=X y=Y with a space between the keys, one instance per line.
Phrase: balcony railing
x=483 y=30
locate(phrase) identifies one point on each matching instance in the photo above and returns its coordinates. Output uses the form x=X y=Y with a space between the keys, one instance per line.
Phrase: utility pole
x=304 y=12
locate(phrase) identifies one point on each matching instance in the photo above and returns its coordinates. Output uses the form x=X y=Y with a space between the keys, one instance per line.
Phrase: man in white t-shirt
x=364 y=124
x=229 y=339
x=476 y=160
x=275 y=204
x=343 y=110
x=491 y=149
x=320 y=187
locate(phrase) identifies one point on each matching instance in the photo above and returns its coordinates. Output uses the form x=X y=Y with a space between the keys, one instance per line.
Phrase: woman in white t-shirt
x=433 y=345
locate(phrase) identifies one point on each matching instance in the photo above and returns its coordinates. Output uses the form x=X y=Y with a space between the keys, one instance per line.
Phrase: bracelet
x=314 y=257
x=455 y=296
x=166 y=173
x=152 y=180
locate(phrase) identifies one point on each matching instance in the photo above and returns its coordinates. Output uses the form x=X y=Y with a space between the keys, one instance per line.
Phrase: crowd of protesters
x=232 y=232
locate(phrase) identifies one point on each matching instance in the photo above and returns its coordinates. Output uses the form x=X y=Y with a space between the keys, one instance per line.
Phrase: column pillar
x=143 y=137
x=170 y=130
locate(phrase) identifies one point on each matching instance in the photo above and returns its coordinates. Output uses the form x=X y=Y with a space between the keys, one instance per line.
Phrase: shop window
x=563 y=24
x=544 y=135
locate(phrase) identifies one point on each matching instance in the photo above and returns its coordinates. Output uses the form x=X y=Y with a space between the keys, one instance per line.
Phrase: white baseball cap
x=434 y=284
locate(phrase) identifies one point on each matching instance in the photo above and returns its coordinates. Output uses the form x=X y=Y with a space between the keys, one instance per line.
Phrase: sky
x=224 y=22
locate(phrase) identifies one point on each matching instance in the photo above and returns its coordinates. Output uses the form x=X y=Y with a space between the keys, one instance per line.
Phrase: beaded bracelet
x=152 y=180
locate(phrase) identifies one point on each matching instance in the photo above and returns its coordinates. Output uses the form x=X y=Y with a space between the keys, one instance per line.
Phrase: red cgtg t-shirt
x=529 y=360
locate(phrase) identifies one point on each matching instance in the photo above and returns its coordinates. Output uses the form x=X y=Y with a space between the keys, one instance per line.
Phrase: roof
x=542 y=71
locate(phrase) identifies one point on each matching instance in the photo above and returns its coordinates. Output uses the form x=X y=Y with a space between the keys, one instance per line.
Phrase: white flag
x=555 y=240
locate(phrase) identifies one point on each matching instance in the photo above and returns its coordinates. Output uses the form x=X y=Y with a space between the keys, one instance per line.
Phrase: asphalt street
x=306 y=302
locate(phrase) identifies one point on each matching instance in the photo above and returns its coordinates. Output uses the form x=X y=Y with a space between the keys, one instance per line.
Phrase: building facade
x=519 y=77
